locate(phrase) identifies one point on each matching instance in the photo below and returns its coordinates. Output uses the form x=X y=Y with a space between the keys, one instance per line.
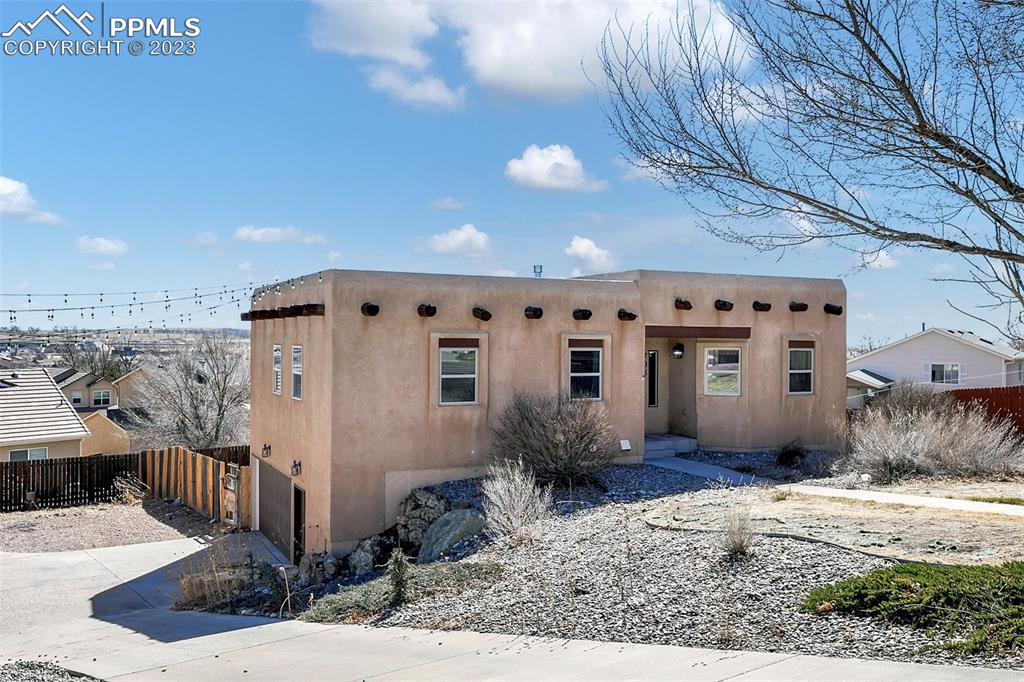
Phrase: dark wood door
x=276 y=507
x=299 y=525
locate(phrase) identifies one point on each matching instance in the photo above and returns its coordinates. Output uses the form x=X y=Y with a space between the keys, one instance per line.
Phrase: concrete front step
x=667 y=445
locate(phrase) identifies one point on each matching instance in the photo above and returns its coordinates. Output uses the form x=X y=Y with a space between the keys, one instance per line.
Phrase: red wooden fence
x=1003 y=402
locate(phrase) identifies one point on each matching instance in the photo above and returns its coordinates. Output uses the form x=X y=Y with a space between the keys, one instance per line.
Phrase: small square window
x=100 y=398
x=76 y=397
x=585 y=373
x=722 y=371
x=945 y=373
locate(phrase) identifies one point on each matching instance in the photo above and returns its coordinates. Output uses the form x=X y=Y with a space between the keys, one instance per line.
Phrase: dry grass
x=738 y=535
x=513 y=502
x=915 y=431
x=559 y=439
x=211 y=580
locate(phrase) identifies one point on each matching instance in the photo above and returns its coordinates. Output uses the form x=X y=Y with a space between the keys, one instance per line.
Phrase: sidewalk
x=708 y=471
x=926 y=501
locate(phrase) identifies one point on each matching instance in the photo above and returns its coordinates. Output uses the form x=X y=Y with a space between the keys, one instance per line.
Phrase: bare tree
x=199 y=399
x=866 y=344
x=98 y=359
x=869 y=123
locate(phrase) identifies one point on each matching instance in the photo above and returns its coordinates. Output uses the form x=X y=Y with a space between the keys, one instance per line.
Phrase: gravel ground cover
x=762 y=463
x=602 y=573
x=101 y=525
x=39 y=671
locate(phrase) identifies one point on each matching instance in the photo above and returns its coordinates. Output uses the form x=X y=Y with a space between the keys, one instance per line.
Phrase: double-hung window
x=722 y=371
x=297 y=372
x=585 y=361
x=277 y=368
x=100 y=398
x=28 y=454
x=459 y=365
x=76 y=397
x=801 y=367
x=945 y=373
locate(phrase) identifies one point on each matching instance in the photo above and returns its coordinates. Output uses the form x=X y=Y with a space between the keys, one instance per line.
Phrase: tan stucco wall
x=86 y=390
x=106 y=436
x=370 y=427
x=129 y=388
x=56 y=449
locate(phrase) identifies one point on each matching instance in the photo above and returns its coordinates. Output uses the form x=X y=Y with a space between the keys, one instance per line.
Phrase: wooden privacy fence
x=1001 y=402
x=216 y=488
x=66 y=482
x=232 y=454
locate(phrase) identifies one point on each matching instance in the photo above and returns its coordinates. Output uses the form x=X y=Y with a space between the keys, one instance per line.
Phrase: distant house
x=944 y=359
x=36 y=420
x=88 y=391
x=107 y=436
x=129 y=387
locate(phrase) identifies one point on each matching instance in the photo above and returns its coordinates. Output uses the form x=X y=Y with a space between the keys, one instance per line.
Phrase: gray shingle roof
x=32 y=409
x=981 y=342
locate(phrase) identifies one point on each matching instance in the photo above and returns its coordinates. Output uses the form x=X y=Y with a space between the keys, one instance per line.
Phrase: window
x=76 y=397
x=277 y=369
x=100 y=398
x=28 y=454
x=722 y=371
x=458 y=363
x=945 y=374
x=652 y=378
x=585 y=370
x=297 y=372
x=801 y=367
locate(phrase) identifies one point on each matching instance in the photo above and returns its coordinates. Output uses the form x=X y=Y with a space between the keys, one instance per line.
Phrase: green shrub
x=980 y=608
x=560 y=439
x=357 y=602
x=398 y=574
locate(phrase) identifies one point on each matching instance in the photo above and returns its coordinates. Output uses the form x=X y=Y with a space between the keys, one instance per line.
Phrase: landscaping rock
x=448 y=530
x=417 y=512
x=330 y=563
x=365 y=556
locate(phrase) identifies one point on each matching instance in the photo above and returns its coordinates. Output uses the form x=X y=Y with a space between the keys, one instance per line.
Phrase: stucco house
x=36 y=420
x=87 y=391
x=106 y=437
x=944 y=359
x=366 y=385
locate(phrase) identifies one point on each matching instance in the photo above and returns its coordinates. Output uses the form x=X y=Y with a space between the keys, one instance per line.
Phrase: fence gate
x=275 y=500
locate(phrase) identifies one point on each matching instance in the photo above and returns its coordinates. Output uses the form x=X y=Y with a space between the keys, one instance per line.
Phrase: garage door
x=275 y=504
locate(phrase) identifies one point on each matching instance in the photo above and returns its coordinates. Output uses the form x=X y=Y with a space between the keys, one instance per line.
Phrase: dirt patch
x=101 y=525
x=909 y=533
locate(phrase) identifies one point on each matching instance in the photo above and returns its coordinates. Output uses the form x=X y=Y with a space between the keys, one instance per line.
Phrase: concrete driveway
x=105 y=612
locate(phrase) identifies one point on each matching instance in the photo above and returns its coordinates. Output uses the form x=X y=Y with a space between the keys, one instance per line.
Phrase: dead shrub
x=512 y=500
x=561 y=440
x=915 y=431
x=210 y=581
x=738 y=535
x=791 y=454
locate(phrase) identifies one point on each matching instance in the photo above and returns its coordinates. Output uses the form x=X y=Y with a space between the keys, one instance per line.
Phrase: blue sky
x=303 y=136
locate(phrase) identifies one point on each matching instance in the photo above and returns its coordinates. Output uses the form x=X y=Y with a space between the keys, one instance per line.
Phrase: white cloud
x=447 y=204
x=502 y=272
x=554 y=167
x=883 y=260
x=943 y=269
x=465 y=240
x=17 y=202
x=333 y=256
x=858 y=294
x=23 y=284
x=205 y=239
x=270 y=235
x=418 y=90
x=541 y=50
x=104 y=246
x=867 y=317
x=105 y=265
x=245 y=266
x=591 y=256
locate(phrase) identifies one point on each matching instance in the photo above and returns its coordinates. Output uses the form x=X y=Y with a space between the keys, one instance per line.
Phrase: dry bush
x=914 y=431
x=561 y=440
x=738 y=536
x=512 y=500
x=210 y=581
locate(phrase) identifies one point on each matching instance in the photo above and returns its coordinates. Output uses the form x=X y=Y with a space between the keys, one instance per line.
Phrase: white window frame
x=441 y=376
x=738 y=372
x=76 y=397
x=599 y=373
x=276 y=358
x=944 y=365
x=297 y=372
x=97 y=392
x=789 y=385
x=28 y=454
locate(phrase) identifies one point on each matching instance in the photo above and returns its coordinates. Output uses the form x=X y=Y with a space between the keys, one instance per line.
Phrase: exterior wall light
x=296 y=467
x=265 y=452
x=677 y=351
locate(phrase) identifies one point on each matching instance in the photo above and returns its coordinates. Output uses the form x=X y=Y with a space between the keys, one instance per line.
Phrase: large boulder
x=365 y=556
x=448 y=530
x=417 y=512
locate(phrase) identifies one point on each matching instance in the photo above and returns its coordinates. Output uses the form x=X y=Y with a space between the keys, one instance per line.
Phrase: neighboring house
x=368 y=384
x=36 y=420
x=129 y=388
x=944 y=359
x=106 y=436
x=85 y=390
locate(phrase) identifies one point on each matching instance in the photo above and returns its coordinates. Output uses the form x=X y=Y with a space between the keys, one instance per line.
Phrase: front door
x=299 y=525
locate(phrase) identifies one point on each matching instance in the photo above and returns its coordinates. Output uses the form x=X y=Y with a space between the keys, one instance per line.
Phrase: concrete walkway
x=926 y=501
x=708 y=471
x=62 y=607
